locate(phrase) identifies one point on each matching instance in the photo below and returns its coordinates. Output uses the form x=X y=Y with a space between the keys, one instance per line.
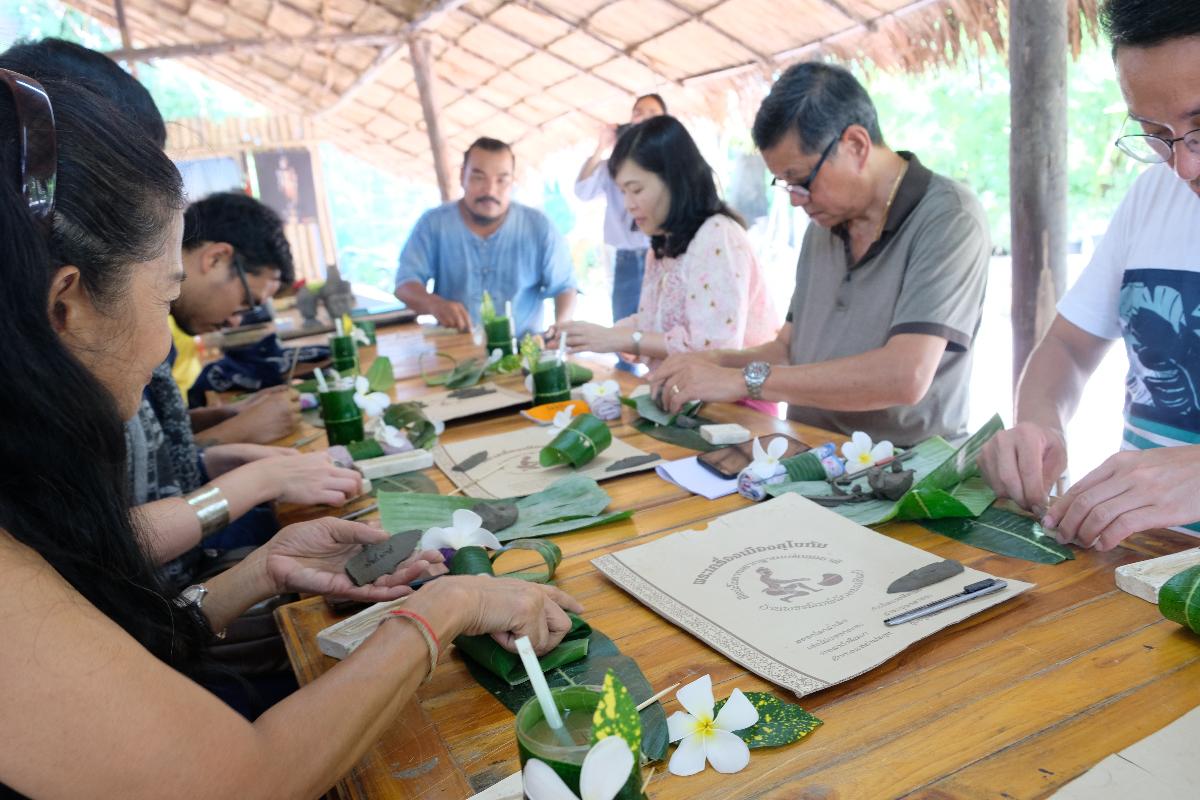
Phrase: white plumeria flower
x=372 y=403
x=392 y=438
x=360 y=336
x=561 y=420
x=766 y=462
x=591 y=391
x=495 y=357
x=606 y=768
x=860 y=452
x=701 y=737
x=465 y=531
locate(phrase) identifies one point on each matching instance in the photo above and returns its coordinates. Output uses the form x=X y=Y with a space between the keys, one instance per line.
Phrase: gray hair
x=818 y=101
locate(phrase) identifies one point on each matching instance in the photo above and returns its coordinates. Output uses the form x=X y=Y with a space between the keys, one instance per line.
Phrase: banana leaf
x=410 y=418
x=408 y=482
x=367 y=448
x=1006 y=533
x=577 y=374
x=672 y=434
x=945 y=484
x=1179 y=599
x=602 y=656
x=580 y=442
x=476 y=561
x=486 y=653
x=461 y=375
x=570 y=503
x=380 y=377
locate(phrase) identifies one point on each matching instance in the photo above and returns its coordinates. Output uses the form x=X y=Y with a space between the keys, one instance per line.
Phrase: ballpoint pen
x=969 y=592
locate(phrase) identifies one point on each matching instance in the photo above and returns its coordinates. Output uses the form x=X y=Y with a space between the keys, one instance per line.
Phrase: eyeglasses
x=239 y=267
x=39 y=148
x=1151 y=149
x=803 y=190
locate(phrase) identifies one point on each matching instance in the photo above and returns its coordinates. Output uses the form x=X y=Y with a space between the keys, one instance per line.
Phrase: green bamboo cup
x=577 y=704
x=342 y=416
x=585 y=438
x=344 y=354
x=551 y=383
x=499 y=335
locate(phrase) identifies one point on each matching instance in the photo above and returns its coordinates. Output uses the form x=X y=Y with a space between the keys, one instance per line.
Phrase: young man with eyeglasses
x=1143 y=286
x=889 y=284
x=484 y=242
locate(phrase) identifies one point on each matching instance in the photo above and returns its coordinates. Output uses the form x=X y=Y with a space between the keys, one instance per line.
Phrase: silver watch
x=755 y=373
x=637 y=342
x=194 y=596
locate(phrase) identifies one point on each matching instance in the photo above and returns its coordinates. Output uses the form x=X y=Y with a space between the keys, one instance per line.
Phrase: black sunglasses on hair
x=39 y=147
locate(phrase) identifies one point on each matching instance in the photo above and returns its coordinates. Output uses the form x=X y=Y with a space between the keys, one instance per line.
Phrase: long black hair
x=663 y=146
x=63 y=492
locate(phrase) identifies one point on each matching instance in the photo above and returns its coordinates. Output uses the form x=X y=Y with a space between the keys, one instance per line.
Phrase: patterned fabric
x=162 y=460
x=250 y=368
x=712 y=297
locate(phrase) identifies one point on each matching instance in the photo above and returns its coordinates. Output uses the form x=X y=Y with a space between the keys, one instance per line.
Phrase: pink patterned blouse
x=713 y=297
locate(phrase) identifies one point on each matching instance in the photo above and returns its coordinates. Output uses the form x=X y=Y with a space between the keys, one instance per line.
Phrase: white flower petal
x=851 y=451
x=697 y=697
x=439 y=427
x=482 y=537
x=590 y=391
x=679 y=725
x=436 y=539
x=605 y=769
x=529 y=383
x=726 y=752
x=757 y=452
x=861 y=440
x=688 y=758
x=777 y=447
x=466 y=521
x=610 y=387
x=737 y=714
x=495 y=356
x=361 y=385
x=542 y=783
x=882 y=450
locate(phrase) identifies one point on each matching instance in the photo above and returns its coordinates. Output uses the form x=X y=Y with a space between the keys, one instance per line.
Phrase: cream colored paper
x=512 y=468
x=794 y=592
x=441 y=406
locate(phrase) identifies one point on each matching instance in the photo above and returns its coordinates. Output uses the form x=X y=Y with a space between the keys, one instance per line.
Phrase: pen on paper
x=969 y=592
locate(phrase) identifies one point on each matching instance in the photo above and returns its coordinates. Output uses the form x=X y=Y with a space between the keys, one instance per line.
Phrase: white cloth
x=619 y=230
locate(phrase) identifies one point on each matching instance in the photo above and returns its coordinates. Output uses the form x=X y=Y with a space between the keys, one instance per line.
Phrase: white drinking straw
x=541 y=689
x=341 y=329
x=508 y=310
x=322 y=386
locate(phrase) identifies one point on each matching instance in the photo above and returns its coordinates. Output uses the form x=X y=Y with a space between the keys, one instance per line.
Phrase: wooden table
x=1012 y=703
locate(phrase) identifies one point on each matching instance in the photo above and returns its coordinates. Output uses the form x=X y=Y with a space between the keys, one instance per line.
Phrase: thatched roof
x=539 y=73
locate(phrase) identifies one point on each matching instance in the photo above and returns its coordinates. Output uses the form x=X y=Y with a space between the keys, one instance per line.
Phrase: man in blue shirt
x=485 y=242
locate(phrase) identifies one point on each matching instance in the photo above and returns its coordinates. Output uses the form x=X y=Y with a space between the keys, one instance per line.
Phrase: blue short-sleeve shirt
x=524 y=262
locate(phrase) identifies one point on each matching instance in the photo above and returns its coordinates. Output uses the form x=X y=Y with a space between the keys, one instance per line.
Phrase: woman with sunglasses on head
x=703 y=288
x=94 y=650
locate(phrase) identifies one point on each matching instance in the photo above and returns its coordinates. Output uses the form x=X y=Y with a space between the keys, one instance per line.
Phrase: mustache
x=485 y=198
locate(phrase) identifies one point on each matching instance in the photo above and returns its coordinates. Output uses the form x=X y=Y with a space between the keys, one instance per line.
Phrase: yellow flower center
x=705 y=727
x=864 y=458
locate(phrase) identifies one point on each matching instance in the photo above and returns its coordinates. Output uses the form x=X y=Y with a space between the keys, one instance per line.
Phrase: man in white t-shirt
x=1142 y=285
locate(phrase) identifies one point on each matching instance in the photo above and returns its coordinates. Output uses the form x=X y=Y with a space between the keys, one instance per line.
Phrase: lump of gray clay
x=377 y=560
x=496 y=516
x=926 y=576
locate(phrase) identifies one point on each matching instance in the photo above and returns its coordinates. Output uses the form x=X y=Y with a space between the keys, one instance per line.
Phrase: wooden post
x=123 y=27
x=1037 y=57
x=426 y=84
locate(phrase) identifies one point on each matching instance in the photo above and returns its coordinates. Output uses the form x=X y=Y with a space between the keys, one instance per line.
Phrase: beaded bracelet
x=431 y=639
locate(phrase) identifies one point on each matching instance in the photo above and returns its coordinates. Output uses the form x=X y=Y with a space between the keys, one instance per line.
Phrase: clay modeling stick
x=542 y=690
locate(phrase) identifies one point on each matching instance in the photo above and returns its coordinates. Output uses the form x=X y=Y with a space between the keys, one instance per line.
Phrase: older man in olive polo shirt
x=889 y=286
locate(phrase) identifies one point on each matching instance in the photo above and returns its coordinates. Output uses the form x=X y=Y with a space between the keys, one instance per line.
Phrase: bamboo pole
x=1037 y=168
x=422 y=64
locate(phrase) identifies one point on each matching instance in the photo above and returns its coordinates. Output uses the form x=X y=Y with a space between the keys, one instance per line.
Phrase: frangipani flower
x=360 y=336
x=593 y=390
x=392 y=439
x=701 y=737
x=766 y=462
x=861 y=453
x=606 y=768
x=495 y=357
x=372 y=403
x=465 y=531
x=561 y=420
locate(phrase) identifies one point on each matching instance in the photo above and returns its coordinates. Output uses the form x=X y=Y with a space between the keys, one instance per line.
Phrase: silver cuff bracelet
x=211 y=507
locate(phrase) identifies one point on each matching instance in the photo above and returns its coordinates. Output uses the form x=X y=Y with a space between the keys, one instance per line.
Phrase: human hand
x=681 y=379
x=589 y=337
x=450 y=314
x=269 y=415
x=221 y=458
x=309 y=479
x=1023 y=463
x=606 y=138
x=507 y=609
x=311 y=557
x=1132 y=491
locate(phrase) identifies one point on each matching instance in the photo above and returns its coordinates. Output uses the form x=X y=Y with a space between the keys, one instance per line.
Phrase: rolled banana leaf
x=580 y=442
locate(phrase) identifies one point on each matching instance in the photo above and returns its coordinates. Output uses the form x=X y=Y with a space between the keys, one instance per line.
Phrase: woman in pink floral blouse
x=703 y=288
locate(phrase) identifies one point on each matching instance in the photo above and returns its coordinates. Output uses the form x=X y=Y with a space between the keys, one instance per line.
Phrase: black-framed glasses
x=803 y=189
x=38 y=145
x=239 y=266
x=1151 y=149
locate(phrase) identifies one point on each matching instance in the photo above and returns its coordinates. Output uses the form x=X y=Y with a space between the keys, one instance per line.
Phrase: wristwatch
x=637 y=342
x=755 y=373
x=194 y=596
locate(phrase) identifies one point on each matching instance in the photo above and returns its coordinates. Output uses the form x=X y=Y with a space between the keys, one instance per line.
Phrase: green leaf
x=602 y=656
x=487 y=309
x=461 y=375
x=617 y=715
x=570 y=503
x=379 y=376
x=672 y=434
x=1179 y=599
x=408 y=482
x=962 y=464
x=578 y=374
x=779 y=722
x=967 y=499
x=548 y=550
x=367 y=448
x=488 y=654
x=578 y=443
x=410 y=418
x=648 y=409
x=1006 y=533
